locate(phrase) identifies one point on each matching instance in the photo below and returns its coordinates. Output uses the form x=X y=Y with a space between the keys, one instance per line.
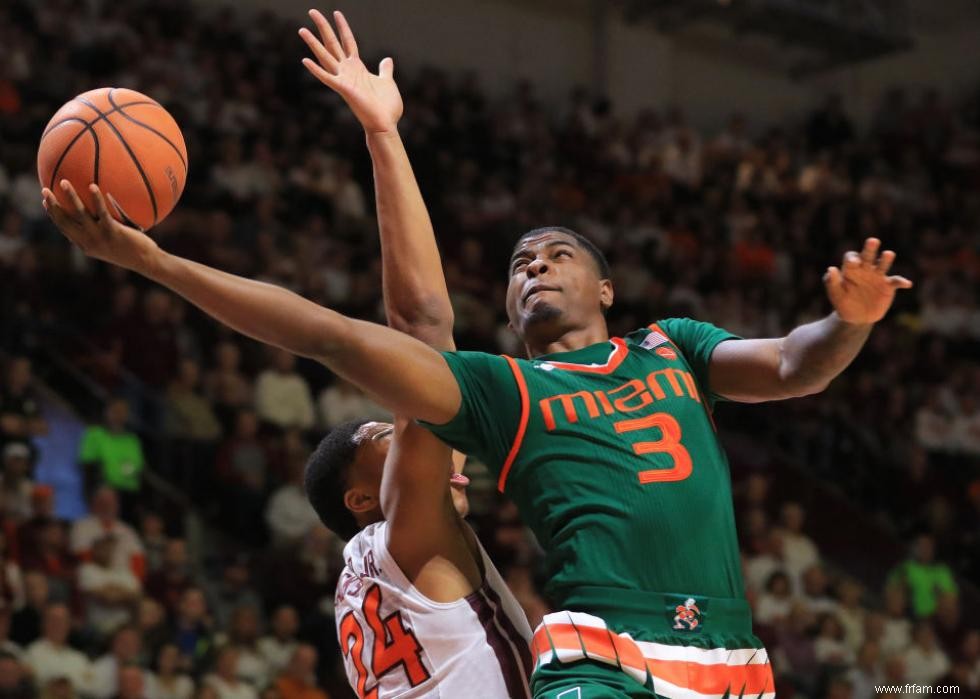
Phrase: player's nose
x=537 y=266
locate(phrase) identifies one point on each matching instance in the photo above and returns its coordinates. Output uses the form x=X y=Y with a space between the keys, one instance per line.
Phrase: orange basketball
x=122 y=141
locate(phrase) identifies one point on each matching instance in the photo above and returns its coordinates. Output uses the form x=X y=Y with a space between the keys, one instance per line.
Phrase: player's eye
x=566 y=253
x=518 y=266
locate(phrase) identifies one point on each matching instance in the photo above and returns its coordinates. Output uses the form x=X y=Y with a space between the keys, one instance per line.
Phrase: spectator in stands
x=168 y=584
x=282 y=397
x=132 y=683
x=342 y=401
x=25 y=623
x=849 y=611
x=7 y=646
x=866 y=672
x=243 y=465
x=51 y=657
x=168 y=682
x=829 y=646
x=798 y=550
x=124 y=650
x=104 y=520
x=227 y=387
x=289 y=513
x=232 y=590
x=926 y=579
x=11 y=578
x=42 y=509
x=50 y=556
x=224 y=679
x=151 y=619
x=948 y=622
x=20 y=409
x=243 y=634
x=794 y=654
x=111 y=455
x=16 y=487
x=15 y=679
x=188 y=413
x=193 y=629
x=278 y=647
x=298 y=680
x=110 y=591
x=815 y=590
x=925 y=661
x=153 y=534
x=897 y=632
x=774 y=604
x=149 y=342
x=59 y=687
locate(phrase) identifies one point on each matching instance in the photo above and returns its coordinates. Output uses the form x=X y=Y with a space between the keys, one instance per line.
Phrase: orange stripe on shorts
x=714 y=679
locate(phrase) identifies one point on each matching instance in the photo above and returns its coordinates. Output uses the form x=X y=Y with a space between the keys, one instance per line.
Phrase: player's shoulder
x=368 y=538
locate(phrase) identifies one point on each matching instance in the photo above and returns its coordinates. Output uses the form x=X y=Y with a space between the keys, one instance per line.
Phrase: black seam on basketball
x=132 y=155
x=149 y=128
x=95 y=159
x=51 y=127
x=88 y=128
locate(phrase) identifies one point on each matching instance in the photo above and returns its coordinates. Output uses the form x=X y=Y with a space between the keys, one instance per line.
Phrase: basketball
x=124 y=142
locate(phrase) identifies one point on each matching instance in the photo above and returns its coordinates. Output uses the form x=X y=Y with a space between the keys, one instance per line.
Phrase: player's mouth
x=534 y=289
x=459 y=480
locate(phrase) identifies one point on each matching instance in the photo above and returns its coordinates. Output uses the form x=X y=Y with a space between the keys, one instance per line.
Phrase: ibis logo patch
x=686 y=615
x=666 y=352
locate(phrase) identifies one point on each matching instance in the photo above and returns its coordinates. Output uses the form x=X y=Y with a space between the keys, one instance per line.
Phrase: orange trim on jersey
x=522 y=426
x=747 y=680
x=616 y=357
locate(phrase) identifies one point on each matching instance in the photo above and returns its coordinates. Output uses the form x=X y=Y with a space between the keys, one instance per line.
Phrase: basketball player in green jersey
x=606 y=444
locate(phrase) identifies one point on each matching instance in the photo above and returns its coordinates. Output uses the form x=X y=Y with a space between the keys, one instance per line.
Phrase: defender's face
x=554 y=285
x=374 y=442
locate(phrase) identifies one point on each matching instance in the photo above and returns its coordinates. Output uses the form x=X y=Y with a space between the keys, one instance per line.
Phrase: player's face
x=374 y=440
x=554 y=287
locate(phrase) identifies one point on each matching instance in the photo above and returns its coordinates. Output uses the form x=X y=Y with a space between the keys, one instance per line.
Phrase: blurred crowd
x=735 y=227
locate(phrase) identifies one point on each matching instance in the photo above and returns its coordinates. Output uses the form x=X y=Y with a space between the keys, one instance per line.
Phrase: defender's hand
x=374 y=99
x=99 y=235
x=861 y=290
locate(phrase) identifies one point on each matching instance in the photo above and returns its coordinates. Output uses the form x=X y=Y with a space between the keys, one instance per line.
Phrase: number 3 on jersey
x=394 y=645
x=669 y=443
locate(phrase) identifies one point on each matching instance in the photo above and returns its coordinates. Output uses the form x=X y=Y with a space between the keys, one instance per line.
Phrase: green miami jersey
x=611 y=455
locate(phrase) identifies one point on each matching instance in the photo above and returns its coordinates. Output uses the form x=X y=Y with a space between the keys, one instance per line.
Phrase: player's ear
x=357 y=500
x=606 y=294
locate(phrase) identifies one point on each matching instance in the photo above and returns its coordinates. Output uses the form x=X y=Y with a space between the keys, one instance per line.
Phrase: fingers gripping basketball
x=123 y=141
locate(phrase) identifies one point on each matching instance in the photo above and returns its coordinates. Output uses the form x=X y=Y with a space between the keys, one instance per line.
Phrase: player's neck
x=569 y=341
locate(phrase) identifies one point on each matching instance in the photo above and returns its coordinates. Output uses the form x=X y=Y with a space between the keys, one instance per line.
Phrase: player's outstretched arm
x=399 y=372
x=811 y=356
x=415 y=294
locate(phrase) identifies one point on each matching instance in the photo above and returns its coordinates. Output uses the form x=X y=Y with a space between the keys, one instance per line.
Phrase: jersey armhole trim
x=522 y=425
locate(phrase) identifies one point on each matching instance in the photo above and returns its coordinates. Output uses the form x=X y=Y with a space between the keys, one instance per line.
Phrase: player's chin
x=540 y=314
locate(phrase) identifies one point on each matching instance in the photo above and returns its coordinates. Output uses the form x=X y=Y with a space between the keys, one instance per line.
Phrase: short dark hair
x=326 y=478
x=600 y=260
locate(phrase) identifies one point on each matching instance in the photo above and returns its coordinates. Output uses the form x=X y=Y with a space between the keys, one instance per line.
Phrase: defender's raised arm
x=399 y=372
x=415 y=294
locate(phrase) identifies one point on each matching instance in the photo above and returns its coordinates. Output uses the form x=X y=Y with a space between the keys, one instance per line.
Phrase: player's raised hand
x=99 y=235
x=374 y=99
x=861 y=290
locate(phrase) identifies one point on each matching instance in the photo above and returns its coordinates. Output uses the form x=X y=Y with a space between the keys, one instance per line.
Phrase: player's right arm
x=399 y=372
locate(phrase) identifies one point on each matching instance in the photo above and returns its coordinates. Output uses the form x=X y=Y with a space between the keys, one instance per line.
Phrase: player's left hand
x=861 y=290
x=374 y=99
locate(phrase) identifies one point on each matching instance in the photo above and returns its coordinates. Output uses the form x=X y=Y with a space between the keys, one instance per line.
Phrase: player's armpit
x=749 y=371
x=425 y=534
